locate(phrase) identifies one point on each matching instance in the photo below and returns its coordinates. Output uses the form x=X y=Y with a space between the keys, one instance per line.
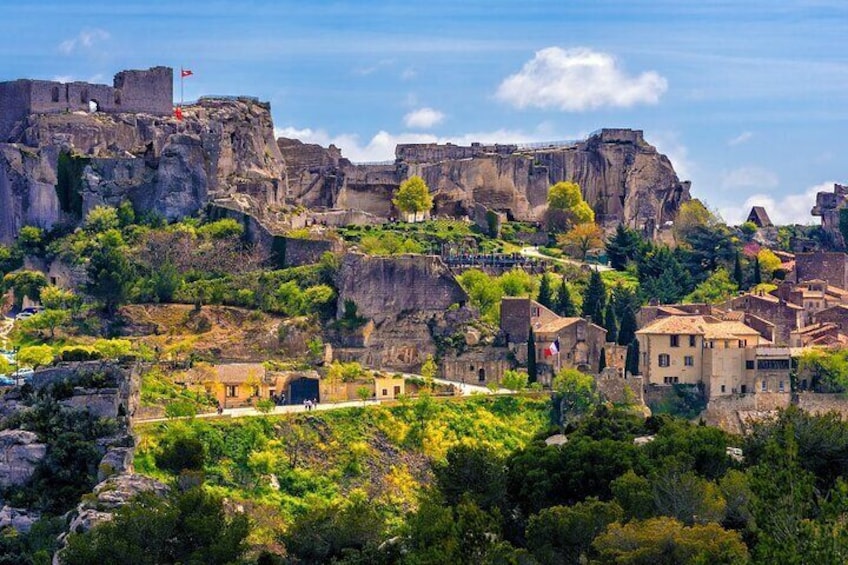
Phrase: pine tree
x=758 y=276
x=564 y=306
x=602 y=362
x=631 y=365
x=531 y=357
x=546 y=293
x=737 y=272
x=623 y=247
x=595 y=299
x=627 y=328
x=610 y=324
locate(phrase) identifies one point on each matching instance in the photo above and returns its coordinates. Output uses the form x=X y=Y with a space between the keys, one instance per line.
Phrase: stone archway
x=93 y=106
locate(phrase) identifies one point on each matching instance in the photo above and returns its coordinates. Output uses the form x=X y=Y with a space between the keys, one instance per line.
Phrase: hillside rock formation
x=828 y=206
x=58 y=166
x=623 y=178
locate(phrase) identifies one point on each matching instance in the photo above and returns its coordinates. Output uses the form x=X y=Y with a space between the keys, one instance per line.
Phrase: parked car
x=24 y=315
x=6 y=381
x=23 y=373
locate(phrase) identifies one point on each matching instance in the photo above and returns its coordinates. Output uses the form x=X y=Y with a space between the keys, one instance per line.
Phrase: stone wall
x=620 y=390
x=478 y=366
x=148 y=91
x=828 y=206
x=827 y=266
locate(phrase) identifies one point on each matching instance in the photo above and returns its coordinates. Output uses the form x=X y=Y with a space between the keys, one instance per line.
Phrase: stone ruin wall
x=148 y=91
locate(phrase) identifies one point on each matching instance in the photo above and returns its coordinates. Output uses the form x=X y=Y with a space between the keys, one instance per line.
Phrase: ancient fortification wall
x=148 y=91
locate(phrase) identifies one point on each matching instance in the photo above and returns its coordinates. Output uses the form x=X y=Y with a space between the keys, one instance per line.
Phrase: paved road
x=534 y=252
x=467 y=390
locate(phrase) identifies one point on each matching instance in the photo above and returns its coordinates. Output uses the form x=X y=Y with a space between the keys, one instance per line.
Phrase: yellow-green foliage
x=486 y=291
x=324 y=456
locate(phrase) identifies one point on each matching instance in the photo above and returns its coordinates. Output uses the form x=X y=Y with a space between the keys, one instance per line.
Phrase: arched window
x=481 y=375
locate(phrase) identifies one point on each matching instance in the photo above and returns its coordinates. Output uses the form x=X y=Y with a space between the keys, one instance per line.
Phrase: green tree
x=472 y=473
x=55 y=298
x=687 y=497
x=47 y=320
x=580 y=239
x=363 y=393
x=110 y=273
x=602 y=360
x=633 y=493
x=627 y=327
x=101 y=219
x=576 y=392
x=25 y=283
x=429 y=370
x=5 y=366
x=31 y=240
x=623 y=247
x=594 y=299
x=738 y=277
x=515 y=380
x=35 y=356
x=758 y=275
x=662 y=277
x=532 y=369
x=11 y=258
x=691 y=216
x=545 y=296
x=413 y=195
x=610 y=323
x=665 y=541
x=564 y=305
x=631 y=363
x=564 y=534
x=717 y=288
x=564 y=195
x=566 y=207
x=769 y=263
x=185 y=527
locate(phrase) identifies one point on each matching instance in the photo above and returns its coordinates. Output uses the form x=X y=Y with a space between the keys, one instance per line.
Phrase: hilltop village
x=190 y=268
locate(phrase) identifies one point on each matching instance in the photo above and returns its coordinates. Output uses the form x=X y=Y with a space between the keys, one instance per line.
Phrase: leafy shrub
x=181 y=453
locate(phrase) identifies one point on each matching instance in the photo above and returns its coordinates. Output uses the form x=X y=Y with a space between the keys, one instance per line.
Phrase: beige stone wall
x=652 y=346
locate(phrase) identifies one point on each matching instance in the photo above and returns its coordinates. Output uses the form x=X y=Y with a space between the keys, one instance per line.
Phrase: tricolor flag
x=185 y=73
x=552 y=349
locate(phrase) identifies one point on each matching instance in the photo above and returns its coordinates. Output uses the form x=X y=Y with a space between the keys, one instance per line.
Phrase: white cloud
x=787 y=209
x=423 y=118
x=381 y=147
x=578 y=79
x=408 y=73
x=741 y=138
x=63 y=78
x=84 y=39
x=749 y=177
x=371 y=69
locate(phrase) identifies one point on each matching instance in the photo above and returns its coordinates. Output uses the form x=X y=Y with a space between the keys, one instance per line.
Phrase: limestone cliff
x=624 y=178
x=406 y=300
x=59 y=166
x=828 y=207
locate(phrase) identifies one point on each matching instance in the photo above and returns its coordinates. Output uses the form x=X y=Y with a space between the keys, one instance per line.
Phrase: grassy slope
x=321 y=457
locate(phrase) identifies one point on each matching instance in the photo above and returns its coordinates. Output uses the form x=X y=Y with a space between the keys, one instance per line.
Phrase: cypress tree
x=610 y=324
x=631 y=365
x=758 y=276
x=595 y=299
x=627 y=328
x=602 y=362
x=546 y=293
x=564 y=305
x=531 y=357
x=737 y=272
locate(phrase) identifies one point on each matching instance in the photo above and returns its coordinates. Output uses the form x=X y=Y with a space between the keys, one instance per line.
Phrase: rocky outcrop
x=110 y=495
x=828 y=205
x=623 y=178
x=385 y=287
x=20 y=454
x=59 y=166
x=18 y=519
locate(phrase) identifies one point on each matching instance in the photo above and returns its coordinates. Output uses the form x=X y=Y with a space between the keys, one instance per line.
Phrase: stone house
x=785 y=316
x=240 y=384
x=478 y=365
x=819 y=334
x=813 y=296
x=726 y=357
x=836 y=314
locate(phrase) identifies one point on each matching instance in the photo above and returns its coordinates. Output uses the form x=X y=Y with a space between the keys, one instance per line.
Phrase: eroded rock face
x=62 y=165
x=20 y=454
x=828 y=206
x=384 y=287
x=110 y=495
x=623 y=178
x=19 y=519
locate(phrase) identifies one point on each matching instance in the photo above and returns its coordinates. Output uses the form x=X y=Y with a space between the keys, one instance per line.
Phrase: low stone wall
x=619 y=390
x=817 y=403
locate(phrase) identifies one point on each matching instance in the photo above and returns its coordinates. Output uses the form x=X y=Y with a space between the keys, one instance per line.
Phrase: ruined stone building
x=783 y=316
x=828 y=206
x=828 y=266
x=148 y=91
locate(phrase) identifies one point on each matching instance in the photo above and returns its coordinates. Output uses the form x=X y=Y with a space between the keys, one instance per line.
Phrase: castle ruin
x=148 y=91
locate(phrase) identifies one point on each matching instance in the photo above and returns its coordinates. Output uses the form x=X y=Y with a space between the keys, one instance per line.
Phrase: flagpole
x=182 y=80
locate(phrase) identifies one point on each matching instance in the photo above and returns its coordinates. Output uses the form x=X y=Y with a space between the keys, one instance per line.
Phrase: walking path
x=534 y=252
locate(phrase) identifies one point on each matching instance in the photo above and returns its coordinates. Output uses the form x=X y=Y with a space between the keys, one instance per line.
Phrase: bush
x=181 y=454
x=79 y=353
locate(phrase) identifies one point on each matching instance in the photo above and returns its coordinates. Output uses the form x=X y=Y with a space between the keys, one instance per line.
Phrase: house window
x=743 y=343
x=722 y=388
x=232 y=391
x=749 y=365
x=535 y=312
x=671 y=380
x=385 y=392
x=664 y=360
x=689 y=361
x=397 y=390
x=481 y=375
x=691 y=341
x=471 y=368
x=675 y=340
x=763 y=386
x=780 y=386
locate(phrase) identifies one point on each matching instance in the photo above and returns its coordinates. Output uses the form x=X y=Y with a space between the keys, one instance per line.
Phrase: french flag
x=552 y=349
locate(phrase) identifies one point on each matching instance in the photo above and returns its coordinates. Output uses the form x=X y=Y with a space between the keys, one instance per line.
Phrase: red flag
x=178 y=113
x=185 y=73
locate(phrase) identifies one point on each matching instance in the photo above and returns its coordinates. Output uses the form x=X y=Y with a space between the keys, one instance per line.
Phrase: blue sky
x=748 y=98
